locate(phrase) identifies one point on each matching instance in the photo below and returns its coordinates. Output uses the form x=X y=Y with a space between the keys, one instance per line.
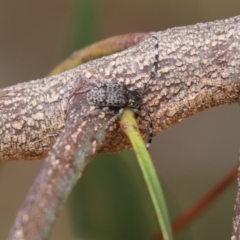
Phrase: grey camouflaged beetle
x=118 y=95
x=113 y=95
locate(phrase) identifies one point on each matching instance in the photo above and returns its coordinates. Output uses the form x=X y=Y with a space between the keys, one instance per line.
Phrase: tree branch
x=198 y=69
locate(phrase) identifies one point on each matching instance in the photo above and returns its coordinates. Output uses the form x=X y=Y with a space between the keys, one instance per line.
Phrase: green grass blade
x=129 y=126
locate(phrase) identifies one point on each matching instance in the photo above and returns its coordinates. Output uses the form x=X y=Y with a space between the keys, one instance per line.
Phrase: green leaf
x=130 y=128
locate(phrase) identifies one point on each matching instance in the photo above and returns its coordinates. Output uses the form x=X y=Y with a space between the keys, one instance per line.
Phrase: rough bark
x=198 y=69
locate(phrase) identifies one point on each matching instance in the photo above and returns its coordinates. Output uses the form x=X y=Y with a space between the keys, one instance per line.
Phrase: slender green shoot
x=130 y=128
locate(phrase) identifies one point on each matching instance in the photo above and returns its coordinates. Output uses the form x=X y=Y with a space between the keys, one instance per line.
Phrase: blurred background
x=110 y=201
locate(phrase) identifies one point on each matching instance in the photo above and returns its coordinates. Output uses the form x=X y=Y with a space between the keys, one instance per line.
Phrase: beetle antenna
x=155 y=64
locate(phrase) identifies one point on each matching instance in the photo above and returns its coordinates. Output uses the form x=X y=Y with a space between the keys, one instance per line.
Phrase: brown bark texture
x=198 y=68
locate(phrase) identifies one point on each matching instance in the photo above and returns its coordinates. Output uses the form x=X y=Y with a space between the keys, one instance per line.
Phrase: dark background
x=190 y=158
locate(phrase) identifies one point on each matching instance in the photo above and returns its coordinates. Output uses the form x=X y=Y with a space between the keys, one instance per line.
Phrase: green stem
x=130 y=128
